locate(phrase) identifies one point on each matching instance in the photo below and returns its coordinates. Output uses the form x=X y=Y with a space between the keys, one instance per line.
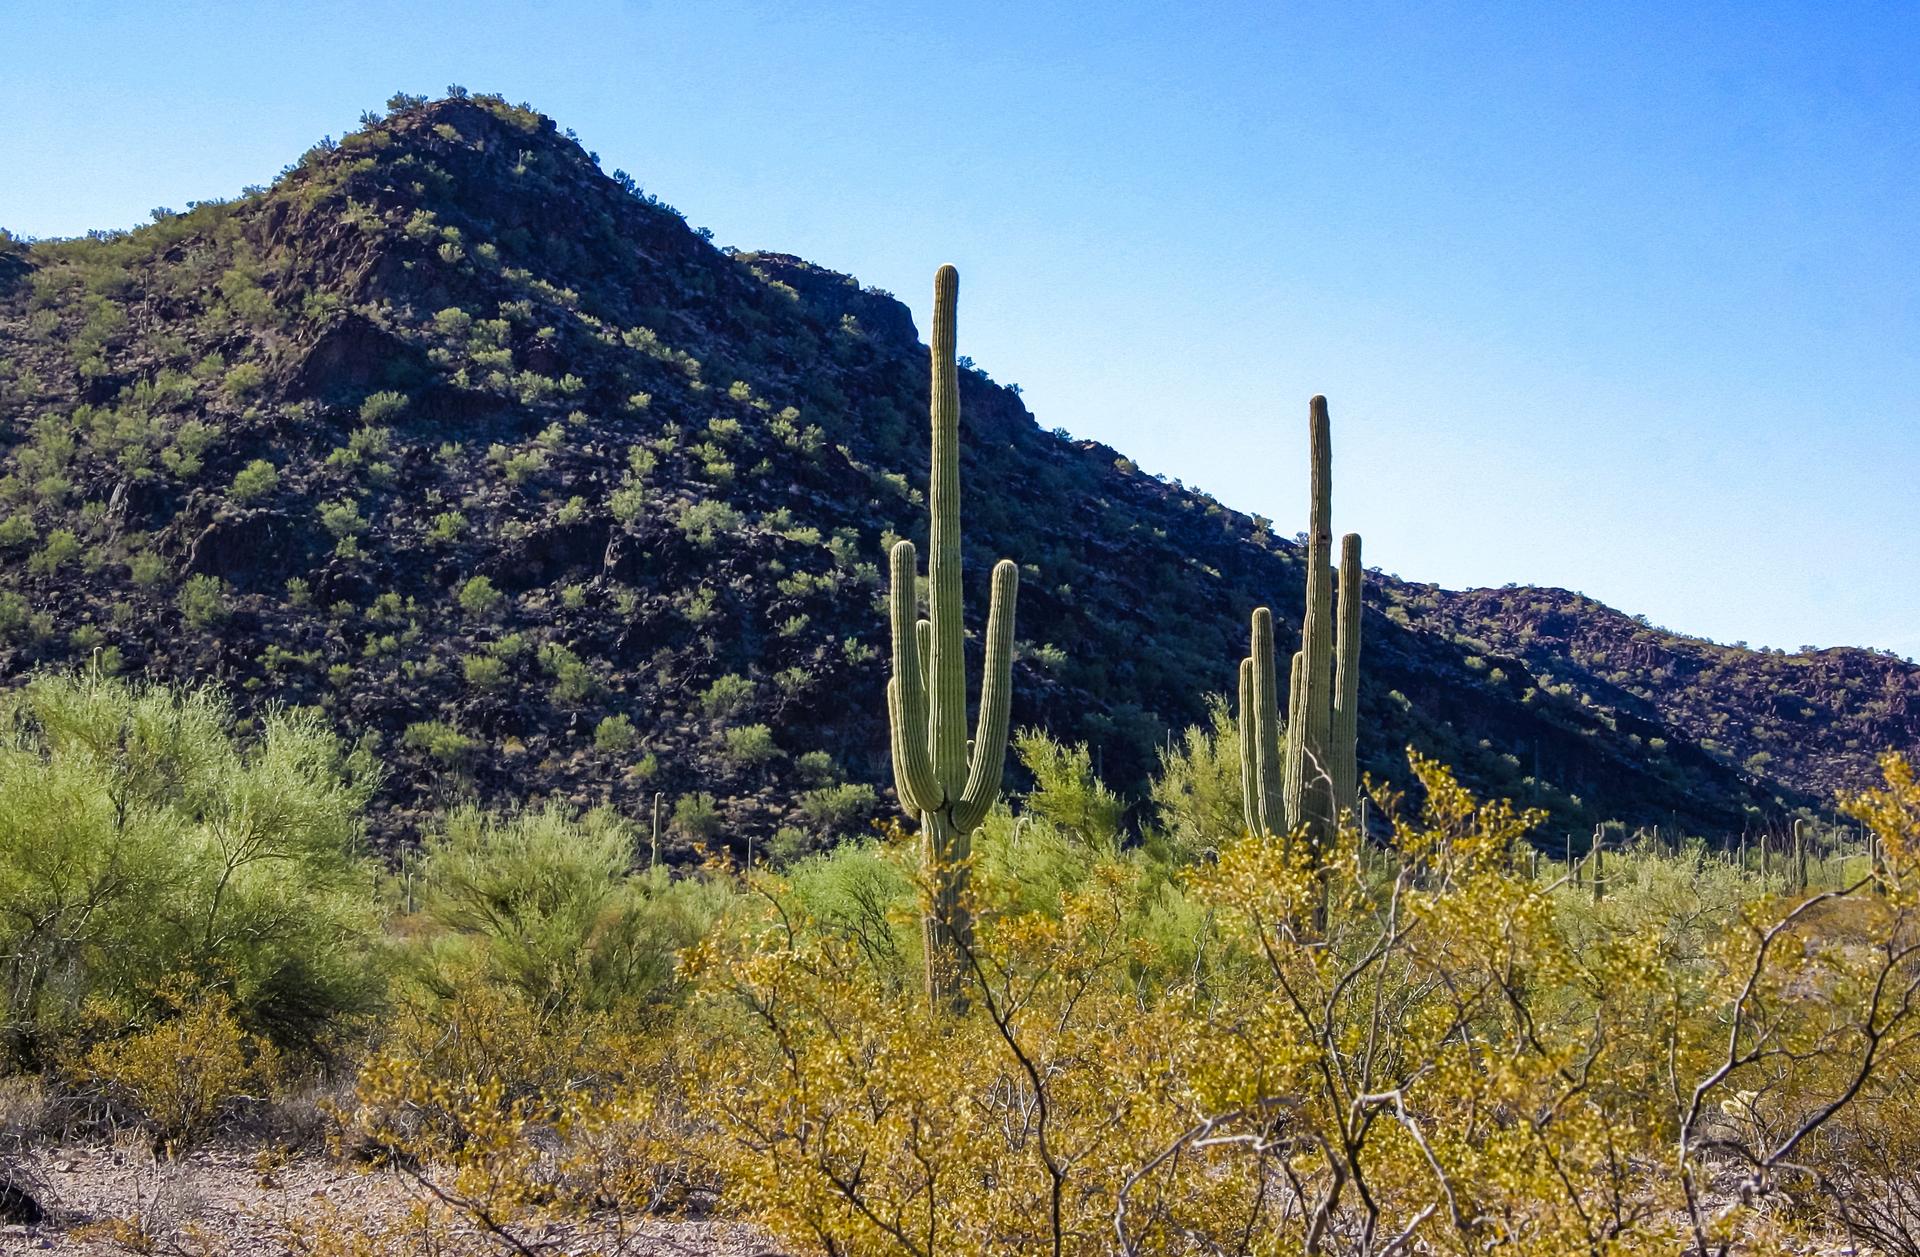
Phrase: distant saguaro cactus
x=1599 y=863
x=944 y=780
x=1316 y=777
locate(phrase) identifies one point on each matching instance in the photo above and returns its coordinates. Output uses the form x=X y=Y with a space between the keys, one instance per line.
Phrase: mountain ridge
x=672 y=468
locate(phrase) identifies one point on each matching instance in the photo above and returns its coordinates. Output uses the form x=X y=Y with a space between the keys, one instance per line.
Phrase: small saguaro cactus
x=942 y=778
x=1315 y=777
x=1800 y=828
x=1599 y=863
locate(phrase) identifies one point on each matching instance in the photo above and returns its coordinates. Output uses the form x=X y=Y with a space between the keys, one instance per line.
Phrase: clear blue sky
x=1618 y=297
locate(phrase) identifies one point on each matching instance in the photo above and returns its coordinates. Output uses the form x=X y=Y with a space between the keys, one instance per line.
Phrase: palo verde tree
x=945 y=781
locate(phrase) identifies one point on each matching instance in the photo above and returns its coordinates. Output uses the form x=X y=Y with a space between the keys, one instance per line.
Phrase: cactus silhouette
x=945 y=781
x=1316 y=777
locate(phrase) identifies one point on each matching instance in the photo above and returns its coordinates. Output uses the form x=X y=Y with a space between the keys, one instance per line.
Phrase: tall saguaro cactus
x=1317 y=777
x=943 y=779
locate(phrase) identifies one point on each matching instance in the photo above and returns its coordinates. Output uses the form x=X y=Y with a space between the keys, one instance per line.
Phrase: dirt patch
x=111 y=1199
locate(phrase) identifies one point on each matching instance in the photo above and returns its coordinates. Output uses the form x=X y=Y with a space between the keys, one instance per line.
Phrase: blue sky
x=1623 y=298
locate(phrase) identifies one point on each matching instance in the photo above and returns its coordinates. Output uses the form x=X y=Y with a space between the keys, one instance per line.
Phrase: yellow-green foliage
x=141 y=839
x=1448 y=1062
x=182 y=1072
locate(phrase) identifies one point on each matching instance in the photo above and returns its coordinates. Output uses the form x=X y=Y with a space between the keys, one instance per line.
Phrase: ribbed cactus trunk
x=942 y=779
x=1346 y=683
x=1310 y=785
x=1317 y=777
x=1800 y=853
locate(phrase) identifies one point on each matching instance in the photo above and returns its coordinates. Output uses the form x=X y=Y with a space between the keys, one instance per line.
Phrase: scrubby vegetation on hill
x=489 y=457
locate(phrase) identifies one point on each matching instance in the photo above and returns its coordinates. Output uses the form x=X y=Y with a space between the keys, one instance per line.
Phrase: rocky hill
x=486 y=453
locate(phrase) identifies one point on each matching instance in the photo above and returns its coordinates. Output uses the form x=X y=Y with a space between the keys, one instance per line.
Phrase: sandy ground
x=219 y=1203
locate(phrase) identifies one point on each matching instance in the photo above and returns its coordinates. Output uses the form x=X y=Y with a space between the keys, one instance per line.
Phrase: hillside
x=490 y=455
x=1806 y=718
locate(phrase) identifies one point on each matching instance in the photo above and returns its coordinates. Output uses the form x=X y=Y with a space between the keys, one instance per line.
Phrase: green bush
x=257 y=479
x=484 y=672
x=59 y=549
x=442 y=741
x=838 y=809
x=696 y=816
x=727 y=695
x=615 y=734
x=203 y=601
x=380 y=407
x=751 y=746
x=547 y=904
x=141 y=840
x=479 y=597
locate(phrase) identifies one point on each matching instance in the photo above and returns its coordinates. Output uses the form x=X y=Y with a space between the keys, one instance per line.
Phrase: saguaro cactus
x=1318 y=776
x=1262 y=791
x=1345 y=748
x=944 y=780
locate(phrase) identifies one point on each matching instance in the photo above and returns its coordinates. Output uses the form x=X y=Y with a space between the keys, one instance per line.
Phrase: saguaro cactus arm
x=989 y=751
x=906 y=691
x=1249 y=749
x=1260 y=761
x=1346 y=679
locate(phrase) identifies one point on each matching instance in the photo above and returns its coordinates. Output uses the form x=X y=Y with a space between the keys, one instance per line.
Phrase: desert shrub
x=244 y=380
x=1196 y=794
x=1065 y=791
x=837 y=809
x=574 y=679
x=140 y=839
x=203 y=601
x=696 y=816
x=479 y=597
x=615 y=734
x=709 y=521
x=546 y=904
x=378 y=408
x=727 y=695
x=60 y=548
x=1430 y=1022
x=181 y=1073
x=751 y=746
x=343 y=519
x=257 y=479
x=443 y=742
x=146 y=569
x=816 y=767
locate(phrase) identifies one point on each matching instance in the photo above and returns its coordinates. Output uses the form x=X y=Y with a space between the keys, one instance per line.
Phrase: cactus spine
x=1317 y=777
x=943 y=779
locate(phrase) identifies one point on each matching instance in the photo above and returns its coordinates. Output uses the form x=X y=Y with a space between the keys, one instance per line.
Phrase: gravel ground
x=223 y=1203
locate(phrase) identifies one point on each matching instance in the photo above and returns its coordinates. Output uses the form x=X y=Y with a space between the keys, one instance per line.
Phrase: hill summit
x=490 y=455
